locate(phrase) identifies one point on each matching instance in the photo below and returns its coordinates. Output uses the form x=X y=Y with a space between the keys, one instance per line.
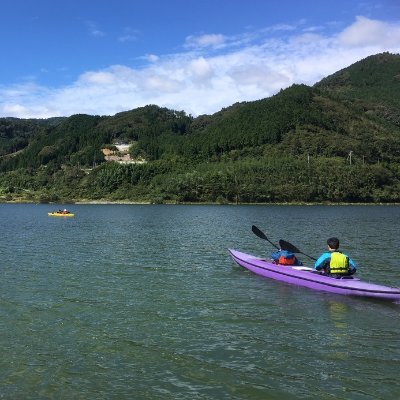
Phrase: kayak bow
x=308 y=277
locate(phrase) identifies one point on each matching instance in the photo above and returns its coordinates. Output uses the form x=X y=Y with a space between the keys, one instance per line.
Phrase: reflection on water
x=338 y=313
x=339 y=337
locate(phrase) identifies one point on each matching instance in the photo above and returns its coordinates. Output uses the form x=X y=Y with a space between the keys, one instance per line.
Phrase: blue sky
x=101 y=57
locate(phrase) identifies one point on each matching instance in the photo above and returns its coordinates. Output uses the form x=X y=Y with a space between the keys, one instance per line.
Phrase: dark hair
x=333 y=243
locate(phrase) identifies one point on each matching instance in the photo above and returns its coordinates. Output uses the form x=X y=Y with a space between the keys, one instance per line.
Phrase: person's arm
x=352 y=265
x=320 y=263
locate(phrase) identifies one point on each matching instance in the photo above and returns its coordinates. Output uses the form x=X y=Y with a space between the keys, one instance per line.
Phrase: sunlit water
x=144 y=302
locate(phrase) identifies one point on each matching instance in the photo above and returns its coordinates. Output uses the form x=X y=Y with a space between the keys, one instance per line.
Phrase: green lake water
x=144 y=302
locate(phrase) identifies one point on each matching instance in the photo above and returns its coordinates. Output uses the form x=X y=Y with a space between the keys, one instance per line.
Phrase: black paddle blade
x=259 y=233
x=262 y=235
x=284 y=245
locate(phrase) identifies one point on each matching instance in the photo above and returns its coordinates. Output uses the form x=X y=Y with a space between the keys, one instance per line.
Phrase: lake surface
x=144 y=302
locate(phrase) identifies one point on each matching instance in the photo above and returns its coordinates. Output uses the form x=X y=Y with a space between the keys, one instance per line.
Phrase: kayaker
x=285 y=257
x=334 y=262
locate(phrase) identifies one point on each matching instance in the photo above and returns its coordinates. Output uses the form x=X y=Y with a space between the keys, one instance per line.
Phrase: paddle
x=261 y=235
x=293 y=249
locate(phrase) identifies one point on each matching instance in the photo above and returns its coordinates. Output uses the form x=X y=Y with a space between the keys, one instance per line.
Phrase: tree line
x=338 y=141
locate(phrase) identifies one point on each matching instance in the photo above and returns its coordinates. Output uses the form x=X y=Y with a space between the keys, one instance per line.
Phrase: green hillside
x=338 y=141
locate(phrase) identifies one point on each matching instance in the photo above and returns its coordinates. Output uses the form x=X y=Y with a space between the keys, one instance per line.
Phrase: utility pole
x=351 y=152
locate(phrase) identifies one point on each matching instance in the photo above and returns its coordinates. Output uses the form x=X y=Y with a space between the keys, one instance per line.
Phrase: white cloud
x=17 y=109
x=151 y=58
x=244 y=68
x=200 y=70
x=130 y=35
x=367 y=32
x=98 y=78
x=205 y=40
x=159 y=84
x=259 y=76
x=127 y=38
x=94 y=30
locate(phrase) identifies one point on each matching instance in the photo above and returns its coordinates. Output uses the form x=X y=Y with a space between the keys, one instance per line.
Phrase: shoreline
x=129 y=202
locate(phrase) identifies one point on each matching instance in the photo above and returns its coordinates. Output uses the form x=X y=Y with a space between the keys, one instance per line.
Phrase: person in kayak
x=333 y=262
x=285 y=257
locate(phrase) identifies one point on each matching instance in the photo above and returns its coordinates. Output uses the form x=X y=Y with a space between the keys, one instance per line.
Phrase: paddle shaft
x=312 y=258
x=292 y=248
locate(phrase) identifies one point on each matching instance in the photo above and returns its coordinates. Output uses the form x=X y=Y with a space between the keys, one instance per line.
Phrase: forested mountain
x=336 y=141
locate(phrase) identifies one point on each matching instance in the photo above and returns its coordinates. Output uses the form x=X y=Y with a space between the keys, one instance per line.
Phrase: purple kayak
x=305 y=276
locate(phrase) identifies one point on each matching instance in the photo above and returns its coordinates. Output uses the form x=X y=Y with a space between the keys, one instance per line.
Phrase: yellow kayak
x=60 y=214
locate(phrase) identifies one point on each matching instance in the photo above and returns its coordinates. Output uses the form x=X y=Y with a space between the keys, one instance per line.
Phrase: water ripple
x=144 y=302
